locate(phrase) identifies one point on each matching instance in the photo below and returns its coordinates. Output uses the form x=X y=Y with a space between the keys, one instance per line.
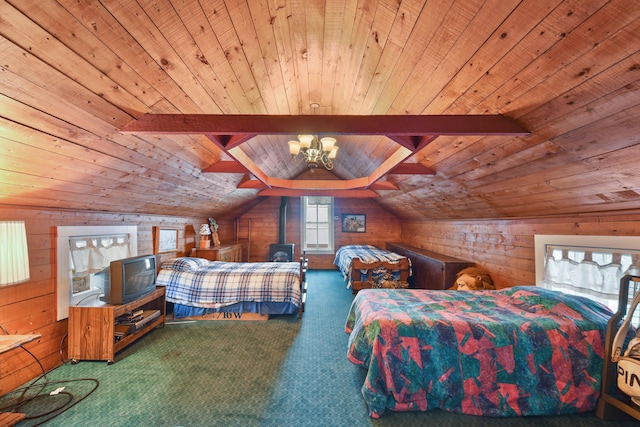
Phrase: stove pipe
x=282 y=232
x=282 y=251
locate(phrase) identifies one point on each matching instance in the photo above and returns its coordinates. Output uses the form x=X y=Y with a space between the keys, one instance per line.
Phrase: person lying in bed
x=472 y=279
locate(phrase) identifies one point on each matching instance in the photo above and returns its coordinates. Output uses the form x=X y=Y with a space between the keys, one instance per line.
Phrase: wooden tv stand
x=92 y=327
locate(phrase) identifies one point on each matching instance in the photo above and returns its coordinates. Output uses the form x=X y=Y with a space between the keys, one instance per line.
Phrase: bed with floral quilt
x=364 y=265
x=513 y=352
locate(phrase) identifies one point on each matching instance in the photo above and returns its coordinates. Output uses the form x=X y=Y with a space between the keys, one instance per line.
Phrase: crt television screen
x=139 y=275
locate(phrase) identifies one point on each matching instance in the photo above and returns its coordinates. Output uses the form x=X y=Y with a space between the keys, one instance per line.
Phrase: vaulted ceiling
x=79 y=81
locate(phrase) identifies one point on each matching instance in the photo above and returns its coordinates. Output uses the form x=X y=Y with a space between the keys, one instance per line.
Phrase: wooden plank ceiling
x=76 y=78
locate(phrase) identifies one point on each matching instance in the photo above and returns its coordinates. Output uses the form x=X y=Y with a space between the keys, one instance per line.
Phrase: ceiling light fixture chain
x=314 y=151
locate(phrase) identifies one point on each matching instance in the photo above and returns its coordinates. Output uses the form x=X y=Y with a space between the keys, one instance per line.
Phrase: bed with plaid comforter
x=513 y=352
x=365 y=253
x=200 y=283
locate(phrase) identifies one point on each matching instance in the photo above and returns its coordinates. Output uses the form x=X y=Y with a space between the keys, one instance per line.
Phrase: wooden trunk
x=431 y=270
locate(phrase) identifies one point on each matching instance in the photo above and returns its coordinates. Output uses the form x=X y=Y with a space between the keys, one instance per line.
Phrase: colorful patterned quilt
x=513 y=352
x=212 y=284
x=366 y=254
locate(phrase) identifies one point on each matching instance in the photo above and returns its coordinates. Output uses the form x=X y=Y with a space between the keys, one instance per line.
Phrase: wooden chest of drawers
x=228 y=252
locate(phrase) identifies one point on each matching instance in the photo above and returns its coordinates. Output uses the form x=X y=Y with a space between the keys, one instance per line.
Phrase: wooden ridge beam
x=403 y=125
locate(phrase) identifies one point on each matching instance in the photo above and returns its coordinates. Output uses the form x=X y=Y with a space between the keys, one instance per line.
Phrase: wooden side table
x=7 y=343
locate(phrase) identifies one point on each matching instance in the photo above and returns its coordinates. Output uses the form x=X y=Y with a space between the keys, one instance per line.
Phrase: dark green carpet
x=282 y=372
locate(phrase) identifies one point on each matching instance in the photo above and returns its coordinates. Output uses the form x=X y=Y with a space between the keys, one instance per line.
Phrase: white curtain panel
x=14 y=253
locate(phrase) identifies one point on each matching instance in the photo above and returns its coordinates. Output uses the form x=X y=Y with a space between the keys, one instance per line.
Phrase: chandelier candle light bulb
x=314 y=151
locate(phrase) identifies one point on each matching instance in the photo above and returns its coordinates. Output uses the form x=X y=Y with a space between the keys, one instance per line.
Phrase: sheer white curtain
x=93 y=254
x=594 y=273
x=14 y=254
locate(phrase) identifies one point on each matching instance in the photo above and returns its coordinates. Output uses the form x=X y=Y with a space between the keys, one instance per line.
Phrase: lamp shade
x=205 y=230
x=294 y=148
x=328 y=143
x=305 y=140
x=14 y=253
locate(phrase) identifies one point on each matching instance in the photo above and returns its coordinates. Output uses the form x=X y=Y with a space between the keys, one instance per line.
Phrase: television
x=130 y=279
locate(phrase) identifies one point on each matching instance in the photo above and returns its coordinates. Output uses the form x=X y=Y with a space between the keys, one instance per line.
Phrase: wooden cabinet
x=228 y=252
x=431 y=270
x=92 y=328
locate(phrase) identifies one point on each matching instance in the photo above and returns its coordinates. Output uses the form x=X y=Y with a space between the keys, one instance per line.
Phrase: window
x=89 y=259
x=70 y=293
x=590 y=266
x=317 y=224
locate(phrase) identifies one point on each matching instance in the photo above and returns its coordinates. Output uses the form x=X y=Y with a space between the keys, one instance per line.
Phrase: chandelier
x=314 y=151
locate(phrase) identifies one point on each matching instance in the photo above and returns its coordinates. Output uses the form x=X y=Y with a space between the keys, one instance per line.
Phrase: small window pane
x=576 y=256
x=602 y=258
x=318 y=225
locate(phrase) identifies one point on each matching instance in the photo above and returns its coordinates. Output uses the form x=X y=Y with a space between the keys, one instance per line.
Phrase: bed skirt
x=273 y=308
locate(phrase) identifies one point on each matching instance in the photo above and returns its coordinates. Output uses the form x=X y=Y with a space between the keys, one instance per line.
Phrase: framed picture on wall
x=165 y=240
x=354 y=223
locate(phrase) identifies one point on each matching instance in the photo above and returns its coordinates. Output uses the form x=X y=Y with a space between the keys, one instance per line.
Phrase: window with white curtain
x=83 y=252
x=317 y=224
x=90 y=256
x=590 y=266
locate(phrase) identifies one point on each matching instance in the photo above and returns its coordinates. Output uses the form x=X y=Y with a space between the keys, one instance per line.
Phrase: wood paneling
x=30 y=307
x=73 y=75
x=263 y=221
x=506 y=247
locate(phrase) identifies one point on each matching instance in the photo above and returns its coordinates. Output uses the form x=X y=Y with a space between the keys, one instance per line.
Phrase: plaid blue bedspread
x=217 y=283
x=366 y=253
x=513 y=352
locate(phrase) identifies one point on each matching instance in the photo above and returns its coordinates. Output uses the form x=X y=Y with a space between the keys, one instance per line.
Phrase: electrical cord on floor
x=26 y=395
x=61 y=347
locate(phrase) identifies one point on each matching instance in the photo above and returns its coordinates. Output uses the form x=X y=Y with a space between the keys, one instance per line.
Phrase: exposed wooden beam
x=242 y=158
x=399 y=156
x=226 y=166
x=318 y=184
x=227 y=142
x=412 y=169
x=413 y=133
x=247 y=182
x=407 y=125
x=413 y=143
x=278 y=192
x=383 y=185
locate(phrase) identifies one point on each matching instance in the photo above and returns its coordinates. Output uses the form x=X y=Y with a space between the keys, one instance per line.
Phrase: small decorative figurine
x=214 y=232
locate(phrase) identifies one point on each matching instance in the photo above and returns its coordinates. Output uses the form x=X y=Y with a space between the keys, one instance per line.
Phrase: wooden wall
x=260 y=227
x=506 y=247
x=30 y=307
